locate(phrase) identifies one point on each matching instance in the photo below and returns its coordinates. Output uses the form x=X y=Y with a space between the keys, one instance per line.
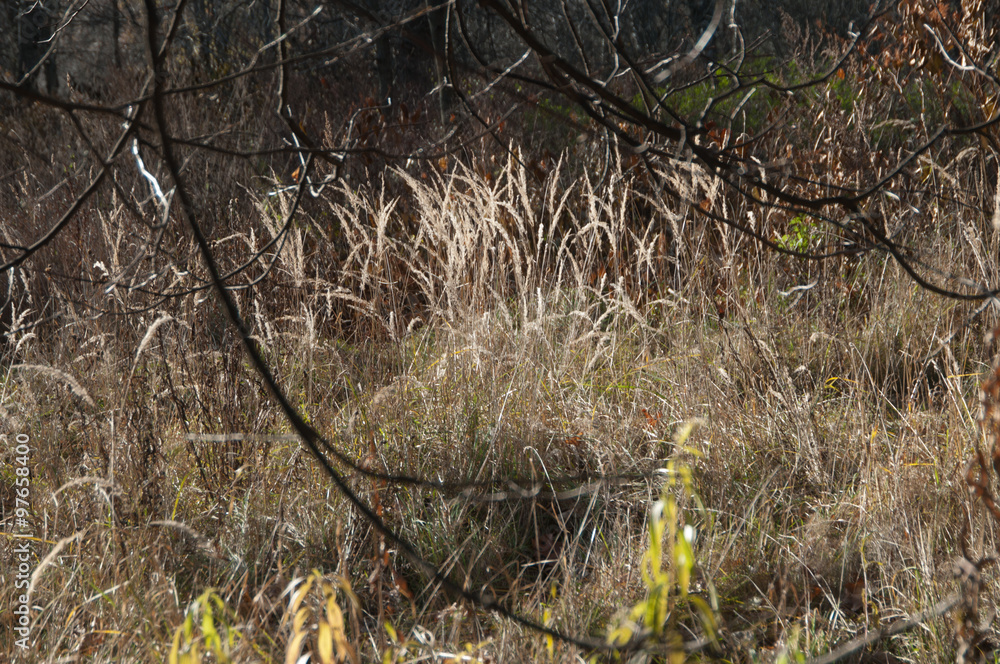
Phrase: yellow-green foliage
x=667 y=566
x=328 y=643
x=207 y=628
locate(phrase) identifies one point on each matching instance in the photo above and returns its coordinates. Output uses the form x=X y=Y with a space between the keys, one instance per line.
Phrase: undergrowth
x=825 y=463
x=691 y=441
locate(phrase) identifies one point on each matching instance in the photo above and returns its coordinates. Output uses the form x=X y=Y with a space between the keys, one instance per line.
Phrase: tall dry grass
x=495 y=330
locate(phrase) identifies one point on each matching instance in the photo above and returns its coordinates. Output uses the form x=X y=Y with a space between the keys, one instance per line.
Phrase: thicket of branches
x=212 y=113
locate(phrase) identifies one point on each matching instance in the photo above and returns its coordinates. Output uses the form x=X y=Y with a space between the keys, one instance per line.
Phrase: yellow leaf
x=549 y=643
x=334 y=615
x=175 y=648
x=297 y=598
x=193 y=657
x=295 y=648
x=620 y=636
x=345 y=585
x=300 y=619
x=324 y=643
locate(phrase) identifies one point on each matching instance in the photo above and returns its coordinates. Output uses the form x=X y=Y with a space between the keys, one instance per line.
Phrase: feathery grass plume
x=48 y=560
x=59 y=374
x=163 y=318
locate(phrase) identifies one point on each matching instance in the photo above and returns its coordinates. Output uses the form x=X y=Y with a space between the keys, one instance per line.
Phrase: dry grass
x=475 y=324
x=827 y=458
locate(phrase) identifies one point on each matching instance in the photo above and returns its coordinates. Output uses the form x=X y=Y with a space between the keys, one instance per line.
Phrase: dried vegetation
x=610 y=360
